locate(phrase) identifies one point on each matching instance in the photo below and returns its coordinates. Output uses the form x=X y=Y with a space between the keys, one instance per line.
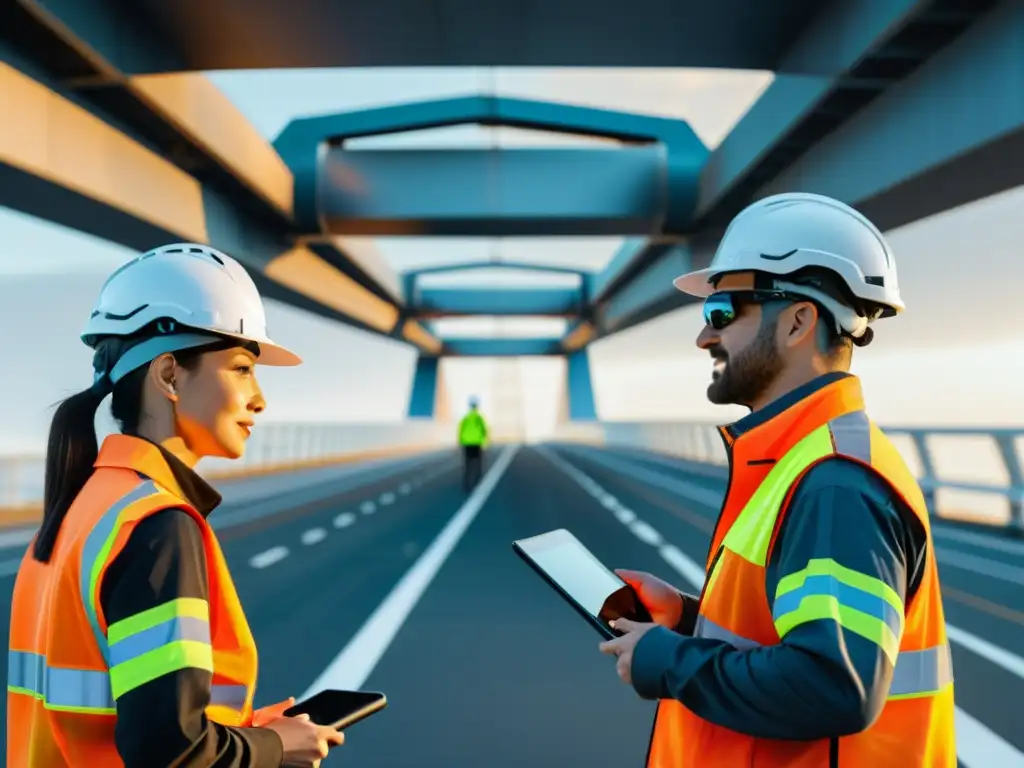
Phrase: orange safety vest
x=67 y=668
x=915 y=727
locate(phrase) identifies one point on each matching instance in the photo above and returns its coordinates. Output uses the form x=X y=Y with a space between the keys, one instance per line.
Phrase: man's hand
x=662 y=600
x=622 y=647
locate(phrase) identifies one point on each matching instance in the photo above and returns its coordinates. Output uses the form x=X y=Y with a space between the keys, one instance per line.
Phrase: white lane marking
x=344 y=520
x=387 y=498
x=1011 y=662
x=353 y=665
x=686 y=567
x=645 y=533
x=626 y=516
x=367 y=507
x=271 y=556
x=980 y=565
x=977 y=745
x=314 y=536
x=404 y=488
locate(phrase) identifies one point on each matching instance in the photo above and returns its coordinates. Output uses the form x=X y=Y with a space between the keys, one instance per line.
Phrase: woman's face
x=218 y=402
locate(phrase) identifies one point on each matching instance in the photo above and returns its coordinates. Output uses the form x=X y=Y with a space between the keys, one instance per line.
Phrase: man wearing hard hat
x=819 y=638
x=472 y=438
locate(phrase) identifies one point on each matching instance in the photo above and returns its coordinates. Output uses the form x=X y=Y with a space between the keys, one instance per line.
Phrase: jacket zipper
x=833 y=752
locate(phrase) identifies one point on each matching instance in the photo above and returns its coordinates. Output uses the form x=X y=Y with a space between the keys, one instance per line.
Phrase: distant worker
x=128 y=644
x=819 y=639
x=472 y=438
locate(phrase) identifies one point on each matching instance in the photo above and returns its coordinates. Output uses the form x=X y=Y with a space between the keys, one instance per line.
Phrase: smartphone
x=339 y=709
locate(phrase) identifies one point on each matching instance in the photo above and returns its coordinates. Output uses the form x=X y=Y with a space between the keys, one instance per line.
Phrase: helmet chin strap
x=846 y=318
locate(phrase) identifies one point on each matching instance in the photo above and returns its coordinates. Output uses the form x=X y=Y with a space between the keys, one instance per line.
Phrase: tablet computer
x=597 y=594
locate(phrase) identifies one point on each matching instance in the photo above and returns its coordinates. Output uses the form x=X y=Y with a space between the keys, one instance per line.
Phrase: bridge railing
x=272 y=447
x=972 y=474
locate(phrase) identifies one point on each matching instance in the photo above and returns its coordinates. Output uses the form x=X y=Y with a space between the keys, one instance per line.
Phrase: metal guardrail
x=974 y=474
x=21 y=476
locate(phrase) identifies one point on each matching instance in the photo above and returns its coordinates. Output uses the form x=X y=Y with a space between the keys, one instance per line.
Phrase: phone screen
x=583 y=578
x=339 y=708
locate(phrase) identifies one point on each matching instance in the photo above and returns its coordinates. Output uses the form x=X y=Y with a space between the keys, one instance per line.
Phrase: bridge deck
x=482 y=664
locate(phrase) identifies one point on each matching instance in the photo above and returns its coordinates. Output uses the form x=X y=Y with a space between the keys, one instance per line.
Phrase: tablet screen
x=584 y=578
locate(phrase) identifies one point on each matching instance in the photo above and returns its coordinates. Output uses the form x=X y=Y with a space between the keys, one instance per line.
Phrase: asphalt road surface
x=387 y=576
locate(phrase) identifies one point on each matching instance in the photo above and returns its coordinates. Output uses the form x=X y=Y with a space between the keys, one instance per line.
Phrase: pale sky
x=953 y=358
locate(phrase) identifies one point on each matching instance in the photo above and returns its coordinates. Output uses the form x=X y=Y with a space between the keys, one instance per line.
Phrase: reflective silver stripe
x=917 y=672
x=85 y=689
x=59 y=688
x=926 y=671
x=232 y=696
x=94 y=543
x=707 y=628
x=851 y=435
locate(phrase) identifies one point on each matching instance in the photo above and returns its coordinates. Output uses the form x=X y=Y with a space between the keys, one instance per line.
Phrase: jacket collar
x=765 y=435
x=161 y=466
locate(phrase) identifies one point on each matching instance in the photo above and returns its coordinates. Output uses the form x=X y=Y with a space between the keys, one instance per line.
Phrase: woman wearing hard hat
x=128 y=644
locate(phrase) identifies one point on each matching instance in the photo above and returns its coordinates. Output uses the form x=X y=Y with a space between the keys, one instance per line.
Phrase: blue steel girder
x=246 y=189
x=425 y=380
x=307 y=145
x=950 y=134
x=446 y=302
x=579 y=387
x=72 y=164
x=504 y=193
x=411 y=278
x=942 y=136
x=502 y=347
x=882 y=45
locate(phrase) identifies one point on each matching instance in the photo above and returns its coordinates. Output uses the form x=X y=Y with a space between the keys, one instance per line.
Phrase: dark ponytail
x=72 y=449
x=70 y=453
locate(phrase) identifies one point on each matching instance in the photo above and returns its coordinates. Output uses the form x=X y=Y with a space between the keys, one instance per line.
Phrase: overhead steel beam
x=411 y=278
x=501 y=347
x=446 y=302
x=511 y=192
x=61 y=163
x=304 y=143
x=882 y=44
x=92 y=51
x=734 y=34
x=889 y=160
x=896 y=163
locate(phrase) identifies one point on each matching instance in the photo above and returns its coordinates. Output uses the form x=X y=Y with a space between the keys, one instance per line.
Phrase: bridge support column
x=428 y=398
x=579 y=391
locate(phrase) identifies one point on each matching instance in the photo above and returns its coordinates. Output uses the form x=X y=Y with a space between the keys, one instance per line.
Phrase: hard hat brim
x=271 y=353
x=697 y=283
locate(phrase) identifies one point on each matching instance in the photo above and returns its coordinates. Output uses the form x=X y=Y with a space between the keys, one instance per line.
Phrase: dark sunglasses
x=722 y=308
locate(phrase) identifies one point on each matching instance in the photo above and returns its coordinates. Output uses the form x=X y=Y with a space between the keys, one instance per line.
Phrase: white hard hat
x=783 y=233
x=193 y=286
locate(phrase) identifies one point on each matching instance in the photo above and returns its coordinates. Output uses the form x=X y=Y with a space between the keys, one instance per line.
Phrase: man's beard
x=748 y=373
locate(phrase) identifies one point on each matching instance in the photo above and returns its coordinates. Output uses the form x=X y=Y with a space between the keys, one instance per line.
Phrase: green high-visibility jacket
x=472 y=429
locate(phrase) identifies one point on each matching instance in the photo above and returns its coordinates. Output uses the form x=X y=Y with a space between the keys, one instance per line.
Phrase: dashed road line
x=344 y=520
x=268 y=558
x=314 y=536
